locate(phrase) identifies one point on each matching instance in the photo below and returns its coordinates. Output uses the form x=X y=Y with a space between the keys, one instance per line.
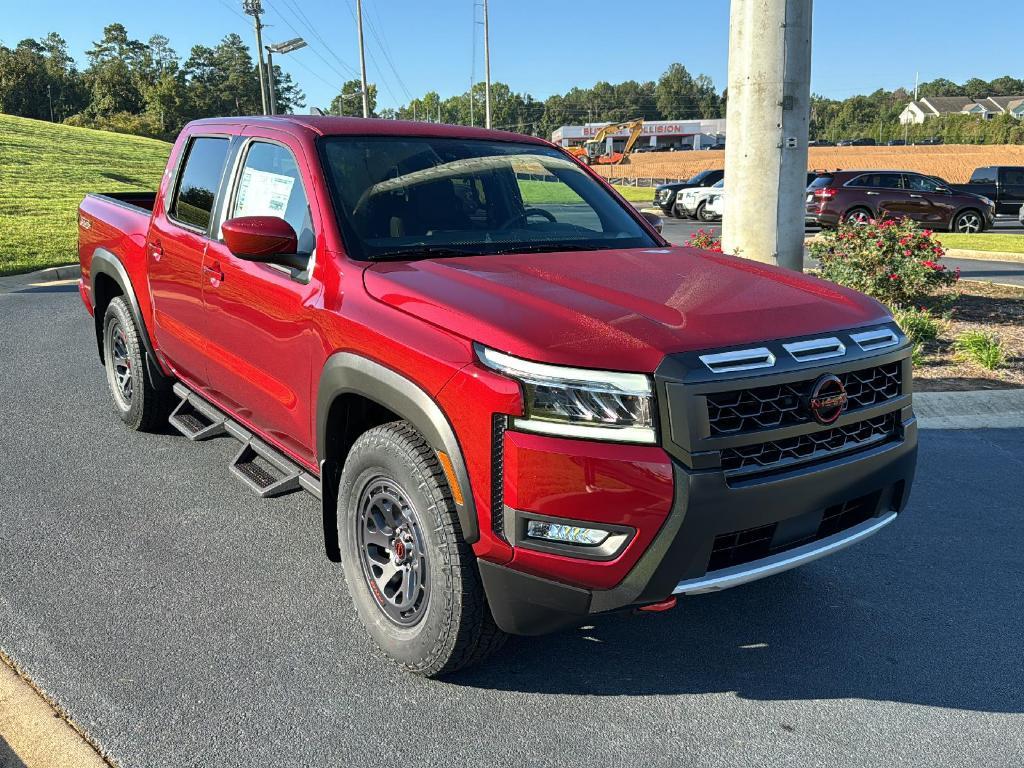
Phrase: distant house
x=932 y=106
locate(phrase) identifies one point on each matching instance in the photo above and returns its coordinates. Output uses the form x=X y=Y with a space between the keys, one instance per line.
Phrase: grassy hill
x=46 y=169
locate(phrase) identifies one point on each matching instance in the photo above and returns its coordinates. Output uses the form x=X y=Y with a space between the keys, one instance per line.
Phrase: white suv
x=692 y=203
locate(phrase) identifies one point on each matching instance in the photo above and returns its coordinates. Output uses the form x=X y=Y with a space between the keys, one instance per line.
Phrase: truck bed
x=118 y=223
x=143 y=200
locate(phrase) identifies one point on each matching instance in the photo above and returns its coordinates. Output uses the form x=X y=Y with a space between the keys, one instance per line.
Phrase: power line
x=304 y=19
x=387 y=55
x=316 y=52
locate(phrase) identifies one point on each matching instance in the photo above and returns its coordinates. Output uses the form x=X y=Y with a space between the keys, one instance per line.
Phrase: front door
x=927 y=203
x=176 y=246
x=262 y=338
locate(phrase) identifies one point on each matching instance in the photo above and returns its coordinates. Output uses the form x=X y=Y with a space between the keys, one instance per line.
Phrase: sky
x=541 y=47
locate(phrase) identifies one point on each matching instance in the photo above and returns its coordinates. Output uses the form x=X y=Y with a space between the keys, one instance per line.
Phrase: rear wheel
x=142 y=404
x=968 y=223
x=858 y=216
x=412 y=577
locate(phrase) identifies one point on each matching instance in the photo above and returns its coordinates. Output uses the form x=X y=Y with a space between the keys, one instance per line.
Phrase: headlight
x=578 y=402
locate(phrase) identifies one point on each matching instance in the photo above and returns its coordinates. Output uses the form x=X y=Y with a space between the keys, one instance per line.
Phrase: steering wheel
x=527 y=212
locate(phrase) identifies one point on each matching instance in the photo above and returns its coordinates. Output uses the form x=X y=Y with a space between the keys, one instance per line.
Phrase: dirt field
x=953 y=162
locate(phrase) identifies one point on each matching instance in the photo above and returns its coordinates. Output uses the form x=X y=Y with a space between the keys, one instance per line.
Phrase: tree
x=349 y=102
x=676 y=94
x=115 y=63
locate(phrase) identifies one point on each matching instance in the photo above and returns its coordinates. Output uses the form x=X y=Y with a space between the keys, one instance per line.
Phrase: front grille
x=750 y=544
x=776 y=454
x=750 y=410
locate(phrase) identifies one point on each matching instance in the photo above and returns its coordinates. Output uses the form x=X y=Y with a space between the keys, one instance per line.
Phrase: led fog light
x=569 y=534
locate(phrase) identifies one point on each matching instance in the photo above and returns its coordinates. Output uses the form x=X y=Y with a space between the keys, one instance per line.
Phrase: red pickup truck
x=519 y=404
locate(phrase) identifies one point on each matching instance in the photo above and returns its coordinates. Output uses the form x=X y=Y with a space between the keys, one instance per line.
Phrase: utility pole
x=254 y=8
x=439 y=110
x=362 y=59
x=49 y=98
x=487 y=70
x=767 y=117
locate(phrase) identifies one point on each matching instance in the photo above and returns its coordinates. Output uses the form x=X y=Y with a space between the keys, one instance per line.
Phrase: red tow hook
x=664 y=605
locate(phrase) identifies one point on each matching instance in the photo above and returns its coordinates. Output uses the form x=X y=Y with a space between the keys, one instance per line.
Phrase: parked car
x=1020 y=215
x=1003 y=184
x=690 y=203
x=860 y=196
x=515 y=416
x=820 y=143
x=861 y=142
x=896 y=143
x=930 y=141
x=665 y=194
x=715 y=206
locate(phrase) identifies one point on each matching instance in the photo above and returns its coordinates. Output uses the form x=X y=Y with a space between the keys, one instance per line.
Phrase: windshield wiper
x=548 y=248
x=422 y=252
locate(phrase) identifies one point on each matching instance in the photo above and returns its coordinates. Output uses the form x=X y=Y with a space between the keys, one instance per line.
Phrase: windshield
x=400 y=197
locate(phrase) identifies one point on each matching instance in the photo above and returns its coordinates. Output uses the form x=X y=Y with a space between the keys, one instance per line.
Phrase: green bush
x=918 y=323
x=983 y=348
x=893 y=260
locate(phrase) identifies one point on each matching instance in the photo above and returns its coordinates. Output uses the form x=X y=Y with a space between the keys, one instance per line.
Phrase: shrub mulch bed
x=980 y=306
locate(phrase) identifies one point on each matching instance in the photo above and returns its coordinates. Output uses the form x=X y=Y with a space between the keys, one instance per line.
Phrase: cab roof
x=330 y=125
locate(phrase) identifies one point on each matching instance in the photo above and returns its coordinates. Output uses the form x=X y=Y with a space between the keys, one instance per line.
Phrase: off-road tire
x=147 y=407
x=456 y=628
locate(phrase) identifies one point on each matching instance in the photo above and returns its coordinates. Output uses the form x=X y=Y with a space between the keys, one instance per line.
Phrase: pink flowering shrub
x=705 y=240
x=893 y=260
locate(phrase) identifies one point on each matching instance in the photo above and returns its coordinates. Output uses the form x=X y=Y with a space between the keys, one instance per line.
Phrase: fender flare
x=350 y=373
x=106 y=263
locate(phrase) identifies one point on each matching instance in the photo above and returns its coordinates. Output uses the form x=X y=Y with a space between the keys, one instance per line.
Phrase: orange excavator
x=592 y=151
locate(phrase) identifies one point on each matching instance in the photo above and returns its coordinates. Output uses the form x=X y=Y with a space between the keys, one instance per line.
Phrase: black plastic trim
x=349 y=373
x=106 y=263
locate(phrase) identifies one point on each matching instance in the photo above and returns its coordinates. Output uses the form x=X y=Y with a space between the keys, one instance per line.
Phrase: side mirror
x=654 y=220
x=265 y=239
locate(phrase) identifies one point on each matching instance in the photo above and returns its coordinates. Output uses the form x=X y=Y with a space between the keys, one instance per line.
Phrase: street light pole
x=270 y=81
x=362 y=58
x=281 y=48
x=487 y=70
x=254 y=8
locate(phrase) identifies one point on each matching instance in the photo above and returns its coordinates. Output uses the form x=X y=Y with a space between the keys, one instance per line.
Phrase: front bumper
x=708 y=507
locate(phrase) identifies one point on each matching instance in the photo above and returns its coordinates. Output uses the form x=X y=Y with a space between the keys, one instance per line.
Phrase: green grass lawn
x=540 y=192
x=45 y=171
x=986 y=241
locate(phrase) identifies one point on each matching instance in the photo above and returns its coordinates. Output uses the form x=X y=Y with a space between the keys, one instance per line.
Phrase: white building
x=932 y=106
x=656 y=133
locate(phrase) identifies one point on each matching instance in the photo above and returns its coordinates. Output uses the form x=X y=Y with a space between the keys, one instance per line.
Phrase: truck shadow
x=8 y=758
x=811 y=634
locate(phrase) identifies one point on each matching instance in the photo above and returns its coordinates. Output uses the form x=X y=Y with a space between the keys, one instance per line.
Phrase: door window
x=270 y=185
x=200 y=177
x=922 y=183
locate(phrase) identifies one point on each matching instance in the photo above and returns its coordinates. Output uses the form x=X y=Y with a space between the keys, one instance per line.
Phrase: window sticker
x=261 y=193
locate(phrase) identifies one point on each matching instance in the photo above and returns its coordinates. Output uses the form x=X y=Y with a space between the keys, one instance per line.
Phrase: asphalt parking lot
x=182 y=621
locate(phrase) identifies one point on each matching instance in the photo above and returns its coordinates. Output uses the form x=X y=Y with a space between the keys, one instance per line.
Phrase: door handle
x=872 y=193
x=917 y=196
x=214 y=272
x=156 y=249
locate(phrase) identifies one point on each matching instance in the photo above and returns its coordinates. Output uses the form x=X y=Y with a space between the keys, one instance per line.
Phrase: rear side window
x=200 y=177
x=1014 y=177
x=878 y=181
x=820 y=182
x=984 y=176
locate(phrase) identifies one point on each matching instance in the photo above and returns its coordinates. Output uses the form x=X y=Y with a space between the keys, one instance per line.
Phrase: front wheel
x=411 y=575
x=703 y=215
x=968 y=223
x=142 y=404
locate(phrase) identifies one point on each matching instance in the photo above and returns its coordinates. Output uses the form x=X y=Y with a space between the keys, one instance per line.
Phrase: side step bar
x=264 y=470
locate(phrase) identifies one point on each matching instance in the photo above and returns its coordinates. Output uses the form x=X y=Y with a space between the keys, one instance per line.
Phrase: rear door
x=1011 y=191
x=883 y=192
x=263 y=341
x=176 y=247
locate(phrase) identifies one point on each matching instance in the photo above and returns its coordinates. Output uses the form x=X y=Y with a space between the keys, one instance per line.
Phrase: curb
x=67 y=272
x=977 y=409
x=963 y=253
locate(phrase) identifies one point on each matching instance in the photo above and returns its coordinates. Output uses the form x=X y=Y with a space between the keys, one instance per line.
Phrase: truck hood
x=616 y=309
